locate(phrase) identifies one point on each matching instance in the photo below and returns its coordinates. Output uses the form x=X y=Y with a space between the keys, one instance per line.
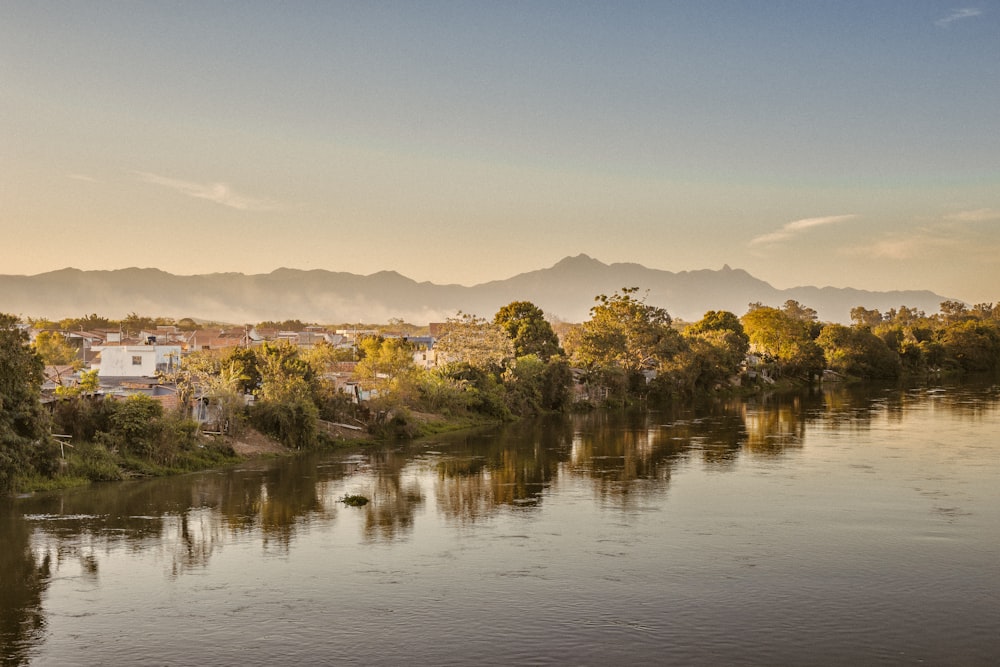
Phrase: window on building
x=137 y=360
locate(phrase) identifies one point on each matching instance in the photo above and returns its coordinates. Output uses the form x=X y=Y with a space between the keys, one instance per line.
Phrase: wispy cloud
x=82 y=177
x=978 y=215
x=795 y=227
x=220 y=193
x=959 y=15
x=922 y=243
x=950 y=237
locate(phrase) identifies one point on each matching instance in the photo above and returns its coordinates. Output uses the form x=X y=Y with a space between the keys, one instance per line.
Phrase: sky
x=849 y=144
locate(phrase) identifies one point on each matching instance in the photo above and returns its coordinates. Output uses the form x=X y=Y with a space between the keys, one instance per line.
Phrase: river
x=842 y=526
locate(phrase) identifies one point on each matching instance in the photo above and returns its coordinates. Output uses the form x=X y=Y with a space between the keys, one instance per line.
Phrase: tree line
x=511 y=365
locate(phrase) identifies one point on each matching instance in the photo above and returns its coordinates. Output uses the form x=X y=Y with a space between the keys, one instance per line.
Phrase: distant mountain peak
x=565 y=290
x=581 y=261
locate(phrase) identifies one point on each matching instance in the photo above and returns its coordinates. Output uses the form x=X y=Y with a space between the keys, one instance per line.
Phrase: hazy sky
x=823 y=143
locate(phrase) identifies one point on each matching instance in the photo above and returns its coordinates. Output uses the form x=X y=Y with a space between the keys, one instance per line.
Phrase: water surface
x=837 y=527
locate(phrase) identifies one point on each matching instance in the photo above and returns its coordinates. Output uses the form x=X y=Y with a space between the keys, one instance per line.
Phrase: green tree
x=804 y=314
x=972 y=345
x=387 y=366
x=246 y=364
x=527 y=327
x=628 y=333
x=797 y=311
x=286 y=408
x=134 y=323
x=135 y=421
x=722 y=326
x=954 y=311
x=54 y=349
x=784 y=341
x=89 y=384
x=715 y=351
x=285 y=325
x=534 y=386
x=858 y=352
x=862 y=316
x=87 y=323
x=284 y=375
x=25 y=444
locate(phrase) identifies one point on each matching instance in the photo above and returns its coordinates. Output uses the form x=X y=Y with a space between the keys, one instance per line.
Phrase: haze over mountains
x=565 y=290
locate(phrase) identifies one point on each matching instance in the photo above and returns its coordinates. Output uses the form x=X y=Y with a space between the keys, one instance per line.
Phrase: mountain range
x=565 y=290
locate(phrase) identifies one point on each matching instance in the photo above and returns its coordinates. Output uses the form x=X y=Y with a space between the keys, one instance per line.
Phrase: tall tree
x=627 y=333
x=25 y=445
x=527 y=327
x=787 y=341
x=387 y=365
x=717 y=348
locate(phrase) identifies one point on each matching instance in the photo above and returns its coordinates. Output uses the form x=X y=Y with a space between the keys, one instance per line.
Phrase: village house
x=137 y=361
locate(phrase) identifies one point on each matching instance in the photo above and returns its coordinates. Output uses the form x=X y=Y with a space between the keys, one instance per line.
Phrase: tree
x=472 y=340
x=784 y=340
x=534 y=386
x=797 y=311
x=804 y=314
x=527 y=327
x=25 y=445
x=54 y=349
x=858 y=352
x=387 y=365
x=625 y=333
x=862 y=316
x=724 y=322
x=134 y=323
x=89 y=384
x=286 y=408
x=136 y=422
x=286 y=325
x=716 y=348
x=954 y=311
x=283 y=374
x=88 y=322
x=972 y=345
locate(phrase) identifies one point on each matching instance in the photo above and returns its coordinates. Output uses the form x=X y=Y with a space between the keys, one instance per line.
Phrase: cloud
x=903 y=248
x=978 y=215
x=220 y=193
x=82 y=177
x=958 y=15
x=938 y=242
x=790 y=229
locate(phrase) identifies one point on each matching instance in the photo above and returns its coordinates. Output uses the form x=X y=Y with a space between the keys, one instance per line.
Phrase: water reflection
x=394 y=501
x=622 y=457
x=511 y=468
x=23 y=580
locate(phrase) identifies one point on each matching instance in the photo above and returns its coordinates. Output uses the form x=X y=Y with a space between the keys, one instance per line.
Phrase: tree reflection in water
x=509 y=468
x=624 y=456
x=390 y=514
x=24 y=577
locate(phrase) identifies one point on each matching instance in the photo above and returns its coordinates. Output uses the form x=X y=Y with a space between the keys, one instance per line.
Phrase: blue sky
x=825 y=143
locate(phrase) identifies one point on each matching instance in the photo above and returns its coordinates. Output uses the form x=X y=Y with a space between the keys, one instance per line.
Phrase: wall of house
x=138 y=360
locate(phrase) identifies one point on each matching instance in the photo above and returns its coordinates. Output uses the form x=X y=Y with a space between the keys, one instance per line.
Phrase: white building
x=137 y=360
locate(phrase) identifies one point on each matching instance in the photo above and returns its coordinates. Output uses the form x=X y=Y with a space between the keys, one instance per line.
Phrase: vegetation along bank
x=211 y=394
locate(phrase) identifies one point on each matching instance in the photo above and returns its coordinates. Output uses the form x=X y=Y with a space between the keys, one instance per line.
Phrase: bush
x=93 y=461
x=135 y=424
x=293 y=422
